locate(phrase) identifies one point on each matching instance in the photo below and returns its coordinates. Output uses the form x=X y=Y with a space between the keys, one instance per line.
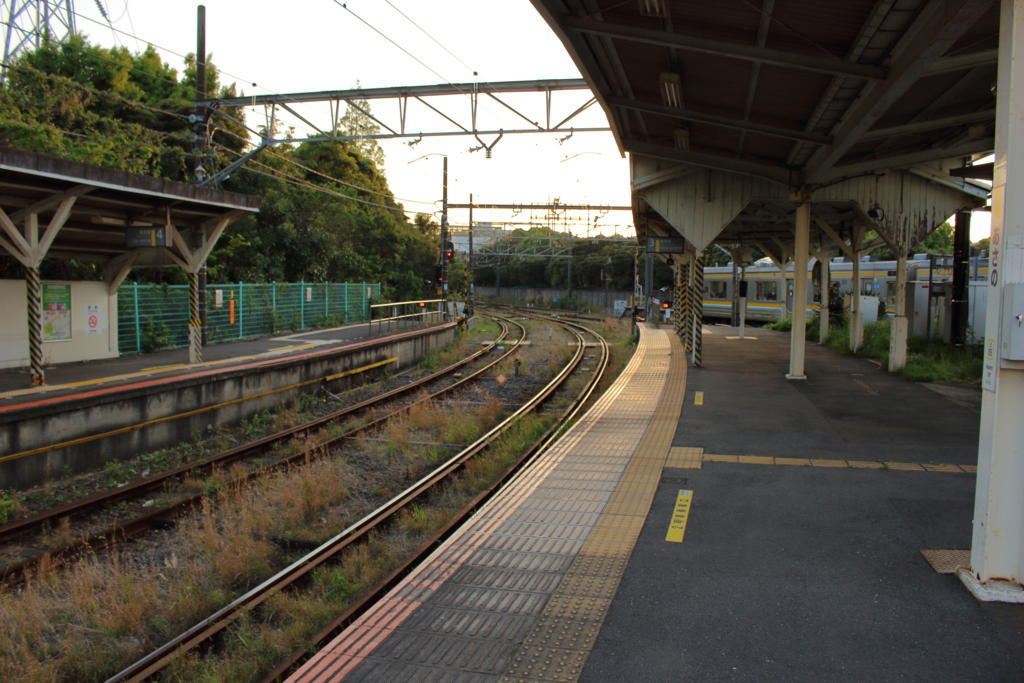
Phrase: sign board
x=56 y=312
x=665 y=245
x=93 y=319
x=145 y=237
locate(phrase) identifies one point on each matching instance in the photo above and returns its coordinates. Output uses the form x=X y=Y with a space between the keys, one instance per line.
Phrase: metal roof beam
x=718 y=48
x=935 y=31
x=909 y=159
x=722 y=121
x=757 y=169
x=984 y=116
x=540 y=85
x=964 y=62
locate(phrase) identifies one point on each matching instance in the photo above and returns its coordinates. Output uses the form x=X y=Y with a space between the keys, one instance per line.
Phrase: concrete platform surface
x=801 y=555
x=69 y=378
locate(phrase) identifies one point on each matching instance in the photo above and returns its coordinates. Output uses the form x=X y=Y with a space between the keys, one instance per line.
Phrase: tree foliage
x=326 y=213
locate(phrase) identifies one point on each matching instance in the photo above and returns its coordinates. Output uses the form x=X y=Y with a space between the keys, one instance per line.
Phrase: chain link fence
x=152 y=317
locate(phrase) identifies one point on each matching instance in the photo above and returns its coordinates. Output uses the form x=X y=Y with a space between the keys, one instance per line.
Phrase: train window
x=867 y=286
x=767 y=291
x=716 y=289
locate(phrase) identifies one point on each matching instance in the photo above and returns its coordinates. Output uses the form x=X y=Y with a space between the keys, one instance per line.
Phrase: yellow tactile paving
x=685 y=457
x=836 y=463
x=569 y=522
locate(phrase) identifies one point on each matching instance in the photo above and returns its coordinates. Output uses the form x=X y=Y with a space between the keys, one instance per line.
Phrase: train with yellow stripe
x=770 y=292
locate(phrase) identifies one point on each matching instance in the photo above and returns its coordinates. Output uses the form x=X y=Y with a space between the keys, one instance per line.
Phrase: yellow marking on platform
x=904 y=466
x=933 y=467
x=865 y=464
x=821 y=462
x=189 y=413
x=165 y=368
x=698 y=398
x=680 y=515
x=685 y=457
x=833 y=463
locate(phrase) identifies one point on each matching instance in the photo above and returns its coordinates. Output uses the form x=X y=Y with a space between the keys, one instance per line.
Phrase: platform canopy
x=106 y=216
x=799 y=95
x=55 y=208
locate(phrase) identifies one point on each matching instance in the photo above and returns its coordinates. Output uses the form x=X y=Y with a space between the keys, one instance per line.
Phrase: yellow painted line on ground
x=833 y=463
x=680 y=516
x=698 y=398
x=189 y=413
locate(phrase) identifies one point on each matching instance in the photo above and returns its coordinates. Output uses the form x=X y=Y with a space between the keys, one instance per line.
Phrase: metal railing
x=400 y=319
x=152 y=317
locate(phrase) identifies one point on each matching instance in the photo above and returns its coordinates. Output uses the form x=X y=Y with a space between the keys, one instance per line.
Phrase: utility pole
x=470 y=286
x=444 y=237
x=200 y=147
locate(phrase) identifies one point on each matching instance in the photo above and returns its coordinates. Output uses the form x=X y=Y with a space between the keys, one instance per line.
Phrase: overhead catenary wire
x=275 y=173
x=429 y=35
x=326 y=176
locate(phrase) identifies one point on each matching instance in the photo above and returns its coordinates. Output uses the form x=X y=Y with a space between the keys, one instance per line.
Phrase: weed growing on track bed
x=103 y=613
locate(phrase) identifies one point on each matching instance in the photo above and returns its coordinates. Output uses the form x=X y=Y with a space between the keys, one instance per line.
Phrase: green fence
x=151 y=317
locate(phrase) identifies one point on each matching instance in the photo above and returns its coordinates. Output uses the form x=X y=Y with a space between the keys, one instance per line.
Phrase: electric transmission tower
x=30 y=23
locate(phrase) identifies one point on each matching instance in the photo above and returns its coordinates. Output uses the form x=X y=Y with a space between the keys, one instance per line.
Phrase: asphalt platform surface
x=804 y=573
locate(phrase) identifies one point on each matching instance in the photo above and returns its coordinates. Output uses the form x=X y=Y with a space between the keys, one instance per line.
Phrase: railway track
x=162 y=515
x=204 y=632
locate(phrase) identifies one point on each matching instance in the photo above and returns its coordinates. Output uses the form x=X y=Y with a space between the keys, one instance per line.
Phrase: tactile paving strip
x=526 y=583
x=947 y=561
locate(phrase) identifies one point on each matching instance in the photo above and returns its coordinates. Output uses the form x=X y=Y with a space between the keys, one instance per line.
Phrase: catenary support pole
x=997 y=546
x=201 y=146
x=797 y=337
x=961 y=262
x=470 y=286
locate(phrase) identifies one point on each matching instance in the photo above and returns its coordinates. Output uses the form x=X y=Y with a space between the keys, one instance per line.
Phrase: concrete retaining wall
x=598 y=300
x=39 y=426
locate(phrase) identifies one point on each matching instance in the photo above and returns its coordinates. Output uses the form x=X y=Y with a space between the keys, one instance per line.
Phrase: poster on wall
x=56 y=312
x=93 y=319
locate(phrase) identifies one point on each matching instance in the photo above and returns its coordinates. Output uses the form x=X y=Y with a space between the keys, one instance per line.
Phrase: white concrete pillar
x=997 y=547
x=899 y=329
x=856 y=318
x=801 y=247
x=826 y=283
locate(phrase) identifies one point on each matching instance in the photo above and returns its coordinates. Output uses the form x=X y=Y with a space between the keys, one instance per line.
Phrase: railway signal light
x=449 y=250
x=438 y=274
x=423 y=304
x=665 y=305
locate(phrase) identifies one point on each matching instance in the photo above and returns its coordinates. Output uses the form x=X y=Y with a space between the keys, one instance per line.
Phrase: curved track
x=159 y=516
x=202 y=632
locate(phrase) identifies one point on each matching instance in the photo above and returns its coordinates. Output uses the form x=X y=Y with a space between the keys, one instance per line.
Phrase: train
x=770 y=292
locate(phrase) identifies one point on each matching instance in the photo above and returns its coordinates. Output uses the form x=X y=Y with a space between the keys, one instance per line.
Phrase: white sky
x=319 y=45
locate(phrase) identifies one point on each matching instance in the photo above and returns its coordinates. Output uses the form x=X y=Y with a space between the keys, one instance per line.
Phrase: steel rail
x=507 y=478
x=219 y=620
x=133 y=527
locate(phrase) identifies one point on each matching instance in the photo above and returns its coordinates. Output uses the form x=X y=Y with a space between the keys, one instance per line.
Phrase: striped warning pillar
x=34 y=297
x=697 y=307
x=685 y=283
x=195 y=327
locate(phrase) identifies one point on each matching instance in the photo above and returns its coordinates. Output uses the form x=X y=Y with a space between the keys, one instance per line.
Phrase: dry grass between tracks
x=102 y=613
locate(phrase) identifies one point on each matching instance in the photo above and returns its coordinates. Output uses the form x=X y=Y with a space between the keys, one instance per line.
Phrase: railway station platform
x=95 y=412
x=716 y=523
